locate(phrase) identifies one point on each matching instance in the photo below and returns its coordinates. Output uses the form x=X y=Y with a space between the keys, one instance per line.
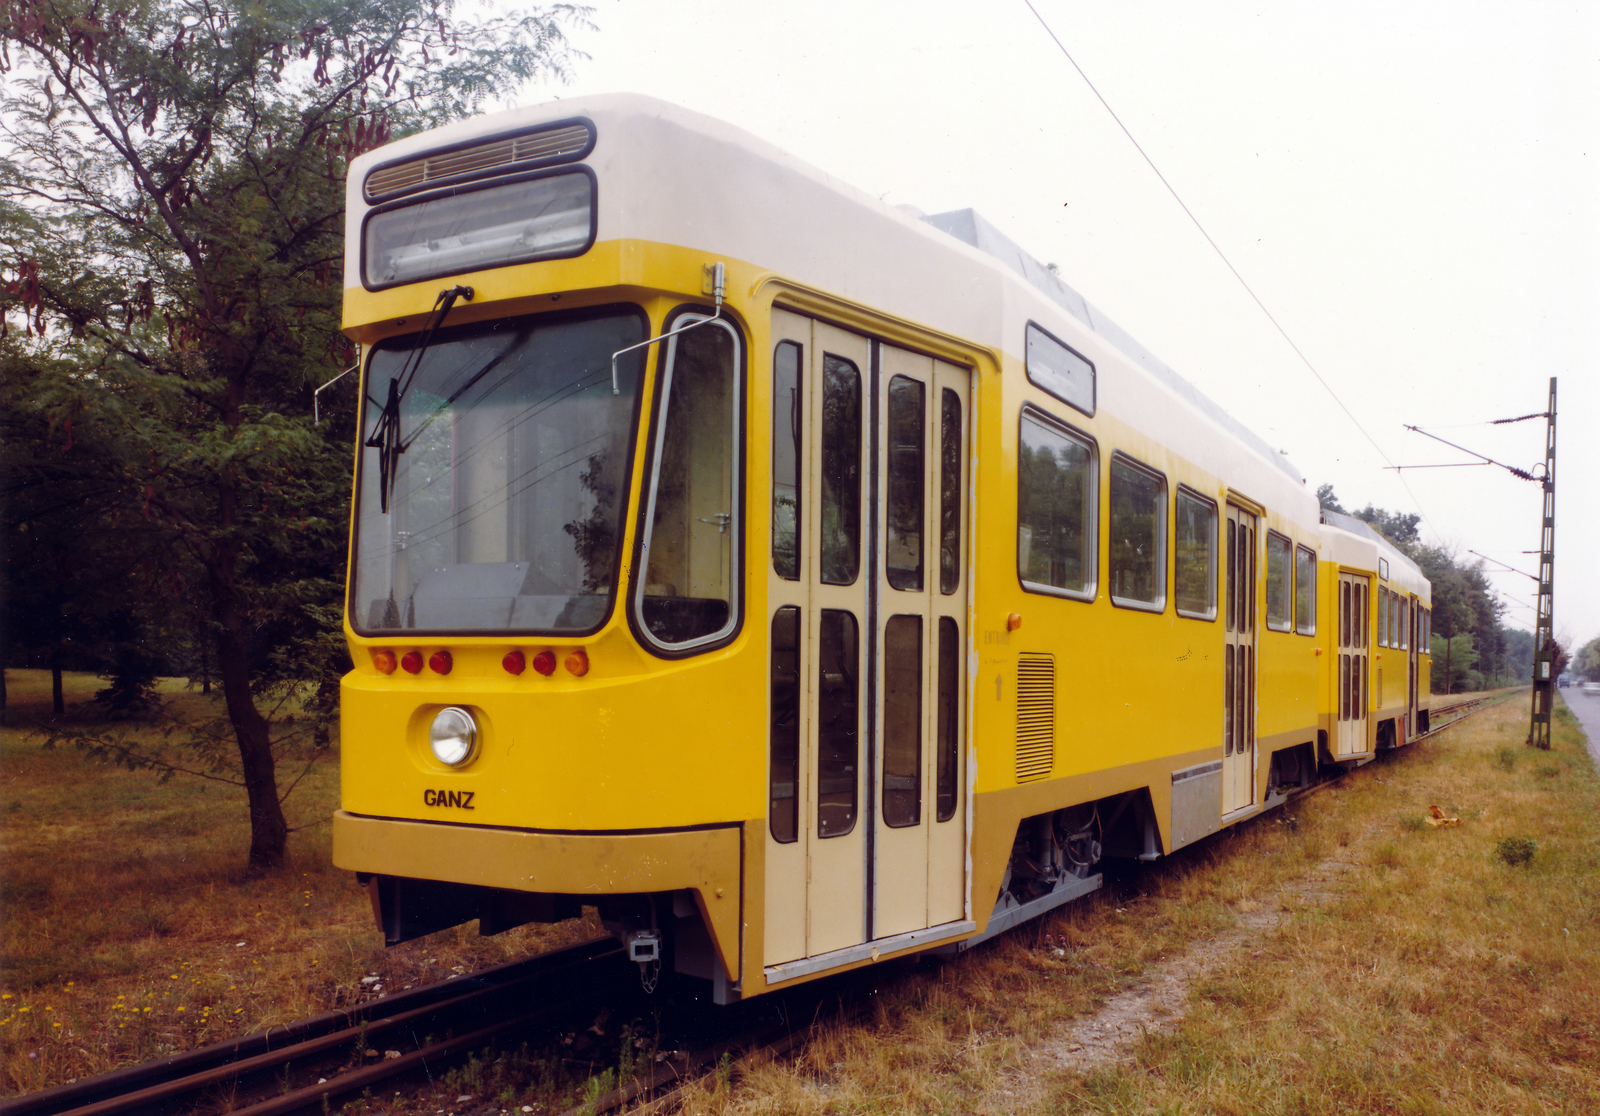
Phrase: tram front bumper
x=704 y=862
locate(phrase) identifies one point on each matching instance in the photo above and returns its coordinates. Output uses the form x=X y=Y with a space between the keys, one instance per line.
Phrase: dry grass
x=1403 y=969
x=132 y=930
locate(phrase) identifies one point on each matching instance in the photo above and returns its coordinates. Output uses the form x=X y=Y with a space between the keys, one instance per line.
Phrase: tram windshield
x=494 y=467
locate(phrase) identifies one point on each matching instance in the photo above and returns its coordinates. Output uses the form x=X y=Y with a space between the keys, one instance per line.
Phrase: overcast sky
x=1410 y=188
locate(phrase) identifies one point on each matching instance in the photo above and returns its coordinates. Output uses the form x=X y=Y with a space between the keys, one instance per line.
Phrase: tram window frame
x=1211 y=572
x=462 y=190
x=644 y=524
x=1286 y=555
x=783 y=729
x=1305 y=621
x=1131 y=465
x=362 y=539
x=787 y=564
x=1039 y=343
x=1383 y=616
x=1091 y=527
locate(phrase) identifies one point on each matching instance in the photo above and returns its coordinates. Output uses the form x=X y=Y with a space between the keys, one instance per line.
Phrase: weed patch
x=131 y=928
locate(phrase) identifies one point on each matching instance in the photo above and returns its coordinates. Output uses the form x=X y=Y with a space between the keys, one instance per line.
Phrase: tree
x=1398 y=527
x=171 y=209
x=1587 y=660
x=1328 y=500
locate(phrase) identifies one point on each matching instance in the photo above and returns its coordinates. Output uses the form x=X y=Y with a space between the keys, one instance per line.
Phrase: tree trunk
x=269 y=832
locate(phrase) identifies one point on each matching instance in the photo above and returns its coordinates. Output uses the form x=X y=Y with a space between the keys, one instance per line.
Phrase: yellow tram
x=800 y=580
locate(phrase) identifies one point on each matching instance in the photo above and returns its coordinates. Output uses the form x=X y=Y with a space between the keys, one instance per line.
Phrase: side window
x=838 y=717
x=1305 y=590
x=949 y=721
x=1056 y=478
x=688 y=591
x=786 y=458
x=1138 y=558
x=1383 y=617
x=1063 y=372
x=1278 y=581
x=841 y=471
x=783 y=798
x=950 y=492
x=1194 y=547
x=907 y=432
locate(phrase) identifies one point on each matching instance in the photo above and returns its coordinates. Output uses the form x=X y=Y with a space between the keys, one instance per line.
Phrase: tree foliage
x=171 y=241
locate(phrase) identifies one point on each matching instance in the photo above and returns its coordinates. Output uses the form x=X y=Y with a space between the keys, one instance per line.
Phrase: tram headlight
x=453 y=736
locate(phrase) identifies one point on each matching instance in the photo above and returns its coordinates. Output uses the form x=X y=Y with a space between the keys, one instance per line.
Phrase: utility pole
x=1544 y=650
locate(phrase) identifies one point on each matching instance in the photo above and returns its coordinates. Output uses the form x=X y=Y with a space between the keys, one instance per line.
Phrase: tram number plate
x=461 y=800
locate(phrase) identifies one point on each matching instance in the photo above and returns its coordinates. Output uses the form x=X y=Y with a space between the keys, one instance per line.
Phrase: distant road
x=1586 y=707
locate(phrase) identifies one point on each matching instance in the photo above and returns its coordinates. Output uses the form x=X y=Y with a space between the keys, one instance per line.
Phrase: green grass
x=1411 y=970
x=131 y=928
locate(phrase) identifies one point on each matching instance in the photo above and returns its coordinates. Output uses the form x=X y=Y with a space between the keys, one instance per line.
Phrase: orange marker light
x=514 y=662
x=383 y=661
x=577 y=663
x=411 y=662
x=440 y=662
x=1013 y=621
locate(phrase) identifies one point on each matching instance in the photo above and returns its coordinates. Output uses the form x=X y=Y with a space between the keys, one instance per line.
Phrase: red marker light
x=440 y=662
x=514 y=662
x=411 y=662
x=578 y=663
x=383 y=661
x=545 y=663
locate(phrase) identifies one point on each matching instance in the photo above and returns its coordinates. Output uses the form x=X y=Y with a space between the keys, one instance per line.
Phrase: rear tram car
x=801 y=581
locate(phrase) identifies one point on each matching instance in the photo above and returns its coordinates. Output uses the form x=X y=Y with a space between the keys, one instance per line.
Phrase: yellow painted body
x=650 y=774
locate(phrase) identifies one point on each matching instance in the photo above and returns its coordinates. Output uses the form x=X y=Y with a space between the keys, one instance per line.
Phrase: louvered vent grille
x=1036 y=716
x=496 y=157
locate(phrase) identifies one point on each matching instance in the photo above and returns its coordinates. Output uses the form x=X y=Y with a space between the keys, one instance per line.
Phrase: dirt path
x=1161 y=996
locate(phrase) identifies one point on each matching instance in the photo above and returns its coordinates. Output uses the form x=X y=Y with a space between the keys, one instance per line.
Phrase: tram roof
x=969 y=226
x=1402 y=570
x=660 y=192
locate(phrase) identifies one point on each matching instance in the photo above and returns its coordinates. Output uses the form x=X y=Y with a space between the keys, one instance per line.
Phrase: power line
x=1223 y=256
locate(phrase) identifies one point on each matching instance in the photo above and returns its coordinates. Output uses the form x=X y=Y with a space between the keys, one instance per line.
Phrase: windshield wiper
x=386 y=435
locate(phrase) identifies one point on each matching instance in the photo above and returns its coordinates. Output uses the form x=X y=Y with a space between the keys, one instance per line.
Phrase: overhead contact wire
x=1223 y=256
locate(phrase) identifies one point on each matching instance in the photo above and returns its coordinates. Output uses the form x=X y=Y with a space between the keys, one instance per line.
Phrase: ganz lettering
x=460 y=799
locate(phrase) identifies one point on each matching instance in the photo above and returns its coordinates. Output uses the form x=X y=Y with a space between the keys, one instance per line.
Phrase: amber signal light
x=545 y=663
x=577 y=663
x=411 y=662
x=383 y=661
x=514 y=662
x=440 y=662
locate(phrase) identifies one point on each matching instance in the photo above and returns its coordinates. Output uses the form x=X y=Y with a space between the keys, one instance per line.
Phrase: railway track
x=251 y=1076
x=256 y=1075
x=1461 y=710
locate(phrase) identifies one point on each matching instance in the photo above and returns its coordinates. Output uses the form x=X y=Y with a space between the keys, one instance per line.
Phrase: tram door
x=1409 y=618
x=1239 y=664
x=1354 y=665
x=867 y=604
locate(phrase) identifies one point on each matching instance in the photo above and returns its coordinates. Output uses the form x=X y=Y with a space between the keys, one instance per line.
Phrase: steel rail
x=154 y=1085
